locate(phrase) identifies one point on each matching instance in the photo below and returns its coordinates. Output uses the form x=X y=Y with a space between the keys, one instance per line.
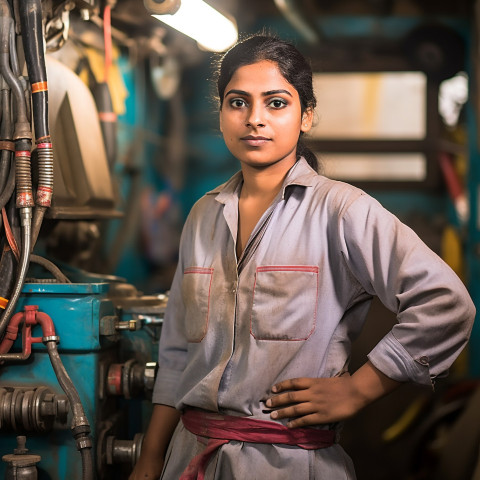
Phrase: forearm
x=155 y=443
x=160 y=430
x=315 y=401
x=370 y=384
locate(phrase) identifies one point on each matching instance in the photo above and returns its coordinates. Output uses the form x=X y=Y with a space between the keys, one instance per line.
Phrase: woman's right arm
x=171 y=361
x=155 y=443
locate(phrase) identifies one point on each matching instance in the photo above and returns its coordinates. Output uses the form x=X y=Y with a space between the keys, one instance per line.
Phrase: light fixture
x=203 y=23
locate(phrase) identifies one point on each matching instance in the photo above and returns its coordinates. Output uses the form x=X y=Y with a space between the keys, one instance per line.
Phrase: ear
x=307 y=120
x=220 y=121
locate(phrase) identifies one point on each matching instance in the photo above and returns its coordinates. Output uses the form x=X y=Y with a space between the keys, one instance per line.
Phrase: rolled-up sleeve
x=434 y=311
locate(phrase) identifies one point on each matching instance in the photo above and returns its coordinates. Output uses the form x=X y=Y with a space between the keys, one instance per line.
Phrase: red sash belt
x=220 y=429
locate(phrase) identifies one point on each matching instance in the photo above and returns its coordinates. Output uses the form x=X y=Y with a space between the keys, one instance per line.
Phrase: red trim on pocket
x=288 y=268
x=198 y=270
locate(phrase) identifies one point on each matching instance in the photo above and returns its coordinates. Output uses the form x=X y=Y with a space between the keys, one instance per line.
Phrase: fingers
x=296 y=391
x=293 y=384
x=313 y=401
x=300 y=415
x=306 y=421
x=297 y=410
x=307 y=401
x=296 y=401
x=287 y=398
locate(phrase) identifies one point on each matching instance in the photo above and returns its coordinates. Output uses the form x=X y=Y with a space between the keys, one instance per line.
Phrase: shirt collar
x=300 y=174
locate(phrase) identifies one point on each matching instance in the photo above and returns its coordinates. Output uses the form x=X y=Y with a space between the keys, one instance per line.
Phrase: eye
x=237 y=102
x=277 y=103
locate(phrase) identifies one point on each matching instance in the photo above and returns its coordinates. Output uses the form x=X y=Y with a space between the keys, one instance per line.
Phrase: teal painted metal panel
x=76 y=310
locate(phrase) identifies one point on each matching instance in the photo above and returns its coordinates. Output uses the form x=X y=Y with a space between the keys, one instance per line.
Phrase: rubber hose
x=51 y=267
x=23 y=173
x=15 y=85
x=13 y=53
x=32 y=36
x=6 y=130
x=15 y=66
x=5 y=134
x=31 y=23
x=79 y=417
x=38 y=214
x=7 y=192
x=7 y=269
x=4 y=168
x=6 y=22
x=87 y=463
x=8 y=261
x=21 y=269
x=14 y=220
x=64 y=380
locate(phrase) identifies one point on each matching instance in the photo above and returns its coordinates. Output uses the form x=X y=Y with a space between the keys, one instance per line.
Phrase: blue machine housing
x=76 y=310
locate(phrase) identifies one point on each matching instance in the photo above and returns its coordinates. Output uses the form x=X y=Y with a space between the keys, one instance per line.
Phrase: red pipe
x=11 y=332
x=32 y=317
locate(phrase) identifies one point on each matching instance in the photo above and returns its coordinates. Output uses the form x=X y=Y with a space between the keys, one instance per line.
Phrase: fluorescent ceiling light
x=204 y=24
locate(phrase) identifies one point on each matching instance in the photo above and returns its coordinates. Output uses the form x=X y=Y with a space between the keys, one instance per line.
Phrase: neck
x=265 y=182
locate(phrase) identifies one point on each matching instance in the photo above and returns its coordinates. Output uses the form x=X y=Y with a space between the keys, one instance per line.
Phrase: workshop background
x=109 y=134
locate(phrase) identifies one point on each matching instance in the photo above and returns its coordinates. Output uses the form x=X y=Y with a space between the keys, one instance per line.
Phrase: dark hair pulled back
x=291 y=63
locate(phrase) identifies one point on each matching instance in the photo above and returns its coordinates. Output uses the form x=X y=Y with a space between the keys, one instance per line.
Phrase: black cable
x=32 y=36
x=7 y=270
x=51 y=267
x=30 y=12
x=7 y=192
x=13 y=53
x=4 y=168
x=15 y=84
x=6 y=129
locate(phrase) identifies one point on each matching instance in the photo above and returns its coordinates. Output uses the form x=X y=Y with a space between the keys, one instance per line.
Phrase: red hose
x=107 y=37
x=10 y=237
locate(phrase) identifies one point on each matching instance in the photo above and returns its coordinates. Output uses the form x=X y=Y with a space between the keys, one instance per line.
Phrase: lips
x=255 y=141
x=253 y=137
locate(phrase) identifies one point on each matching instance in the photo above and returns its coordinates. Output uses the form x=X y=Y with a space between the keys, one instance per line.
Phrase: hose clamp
x=51 y=338
x=84 y=442
x=80 y=421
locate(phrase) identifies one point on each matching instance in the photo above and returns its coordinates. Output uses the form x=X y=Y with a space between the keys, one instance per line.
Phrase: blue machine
x=94 y=344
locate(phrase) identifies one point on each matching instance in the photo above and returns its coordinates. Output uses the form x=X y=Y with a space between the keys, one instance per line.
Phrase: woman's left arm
x=434 y=312
x=433 y=308
x=314 y=401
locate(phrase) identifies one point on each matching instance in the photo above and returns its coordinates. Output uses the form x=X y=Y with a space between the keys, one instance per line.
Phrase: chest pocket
x=196 y=287
x=284 y=302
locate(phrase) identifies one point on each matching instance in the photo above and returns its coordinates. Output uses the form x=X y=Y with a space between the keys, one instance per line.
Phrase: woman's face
x=261 y=116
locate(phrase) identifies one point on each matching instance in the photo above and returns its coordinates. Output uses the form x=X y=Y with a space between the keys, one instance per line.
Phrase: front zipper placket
x=249 y=250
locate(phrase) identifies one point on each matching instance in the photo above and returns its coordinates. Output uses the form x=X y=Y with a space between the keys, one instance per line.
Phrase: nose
x=255 y=116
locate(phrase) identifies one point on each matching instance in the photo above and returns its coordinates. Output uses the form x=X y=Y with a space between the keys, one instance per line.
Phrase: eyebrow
x=265 y=94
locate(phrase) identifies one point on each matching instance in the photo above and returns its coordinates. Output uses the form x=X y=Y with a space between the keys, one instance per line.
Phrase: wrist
x=370 y=384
